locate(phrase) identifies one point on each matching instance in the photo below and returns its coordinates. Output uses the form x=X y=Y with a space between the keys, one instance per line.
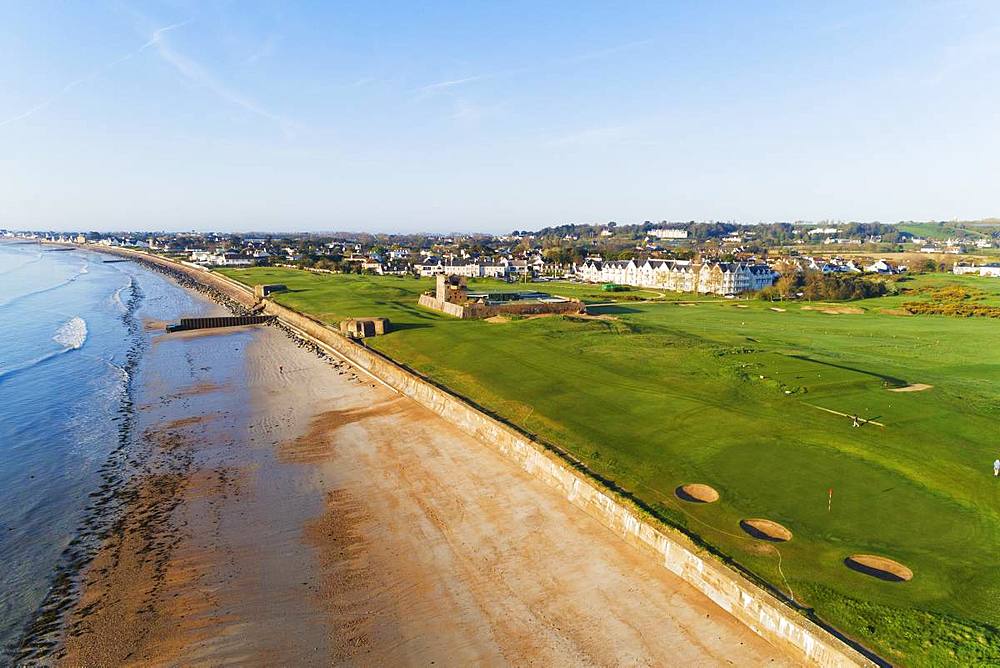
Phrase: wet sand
x=327 y=520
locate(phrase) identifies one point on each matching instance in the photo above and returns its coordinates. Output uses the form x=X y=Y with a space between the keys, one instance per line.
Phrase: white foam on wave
x=116 y=298
x=72 y=334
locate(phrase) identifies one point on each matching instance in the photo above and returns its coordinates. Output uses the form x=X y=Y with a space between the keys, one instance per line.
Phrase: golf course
x=850 y=445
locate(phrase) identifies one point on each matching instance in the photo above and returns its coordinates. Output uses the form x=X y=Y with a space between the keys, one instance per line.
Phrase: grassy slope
x=938 y=230
x=669 y=394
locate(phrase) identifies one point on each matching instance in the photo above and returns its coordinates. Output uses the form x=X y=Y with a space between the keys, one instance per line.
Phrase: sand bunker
x=779 y=310
x=741 y=306
x=697 y=493
x=879 y=567
x=686 y=304
x=766 y=530
x=588 y=316
x=915 y=387
x=501 y=319
x=835 y=310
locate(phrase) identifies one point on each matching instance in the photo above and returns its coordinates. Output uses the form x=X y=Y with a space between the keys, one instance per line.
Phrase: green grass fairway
x=738 y=396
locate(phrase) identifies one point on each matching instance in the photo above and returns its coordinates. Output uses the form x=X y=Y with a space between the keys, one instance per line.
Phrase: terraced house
x=723 y=278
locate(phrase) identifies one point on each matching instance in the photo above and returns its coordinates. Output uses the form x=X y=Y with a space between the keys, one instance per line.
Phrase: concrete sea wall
x=762 y=612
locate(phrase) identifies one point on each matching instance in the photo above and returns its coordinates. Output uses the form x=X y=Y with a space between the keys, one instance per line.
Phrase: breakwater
x=219 y=321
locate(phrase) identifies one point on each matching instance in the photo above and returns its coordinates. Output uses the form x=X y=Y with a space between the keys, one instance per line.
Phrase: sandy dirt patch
x=590 y=316
x=202 y=387
x=882 y=568
x=315 y=445
x=697 y=493
x=766 y=530
x=502 y=319
x=914 y=387
x=835 y=310
x=124 y=611
x=208 y=331
x=180 y=423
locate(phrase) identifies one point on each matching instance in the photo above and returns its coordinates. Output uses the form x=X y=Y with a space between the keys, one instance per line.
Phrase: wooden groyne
x=220 y=321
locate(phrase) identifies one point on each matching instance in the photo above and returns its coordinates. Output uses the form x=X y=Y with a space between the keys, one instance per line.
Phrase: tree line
x=817 y=286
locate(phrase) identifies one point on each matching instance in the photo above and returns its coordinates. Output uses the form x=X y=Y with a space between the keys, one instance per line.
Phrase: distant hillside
x=972 y=229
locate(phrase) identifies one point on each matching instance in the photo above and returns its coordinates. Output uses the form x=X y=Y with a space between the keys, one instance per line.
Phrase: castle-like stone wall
x=473 y=311
x=431 y=302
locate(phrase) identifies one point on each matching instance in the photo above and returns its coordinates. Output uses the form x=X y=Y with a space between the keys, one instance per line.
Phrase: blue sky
x=474 y=116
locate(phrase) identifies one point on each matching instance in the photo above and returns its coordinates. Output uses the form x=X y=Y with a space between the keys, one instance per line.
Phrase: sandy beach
x=316 y=517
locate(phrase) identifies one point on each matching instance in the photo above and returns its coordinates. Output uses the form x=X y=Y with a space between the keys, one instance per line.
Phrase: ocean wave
x=17 y=267
x=120 y=371
x=71 y=335
x=83 y=270
x=116 y=297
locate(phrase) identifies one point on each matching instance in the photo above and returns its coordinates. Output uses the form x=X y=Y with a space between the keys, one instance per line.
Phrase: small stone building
x=261 y=291
x=360 y=328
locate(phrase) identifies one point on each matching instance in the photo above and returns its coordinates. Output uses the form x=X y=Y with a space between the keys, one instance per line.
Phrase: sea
x=72 y=344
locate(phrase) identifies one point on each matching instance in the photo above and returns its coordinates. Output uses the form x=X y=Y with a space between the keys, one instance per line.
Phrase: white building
x=467 y=268
x=883 y=267
x=724 y=278
x=668 y=233
x=220 y=259
x=991 y=270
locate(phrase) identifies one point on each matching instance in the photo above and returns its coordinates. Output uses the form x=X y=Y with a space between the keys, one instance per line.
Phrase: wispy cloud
x=442 y=85
x=266 y=49
x=468 y=112
x=978 y=52
x=66 y=89
x=603 y=53
x=591 y=137
x=448 y=84
x=195 y=72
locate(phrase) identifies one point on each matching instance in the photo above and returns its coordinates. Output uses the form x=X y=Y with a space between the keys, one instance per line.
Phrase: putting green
x=760 y=405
